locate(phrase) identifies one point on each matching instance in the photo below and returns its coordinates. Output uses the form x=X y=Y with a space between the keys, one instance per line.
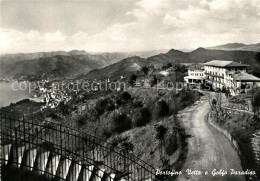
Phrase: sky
x=125 y=25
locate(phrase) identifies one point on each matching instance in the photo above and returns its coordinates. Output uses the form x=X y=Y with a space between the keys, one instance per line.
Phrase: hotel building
x=224 y=74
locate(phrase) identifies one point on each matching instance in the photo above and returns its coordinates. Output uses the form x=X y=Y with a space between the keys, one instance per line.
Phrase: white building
x=224 y=74
x=220 y=72
x=195 y=76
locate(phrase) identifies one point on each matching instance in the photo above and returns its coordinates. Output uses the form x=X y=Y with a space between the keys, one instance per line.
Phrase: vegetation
x=164 y=67
x=160 y=135
x=153 y=81
x=142 y=117
x=125 y=96
x=169 y=65
x=256 y=104
x=145 y=70
x=120 y=123
x=132 y=79
x=162 y=109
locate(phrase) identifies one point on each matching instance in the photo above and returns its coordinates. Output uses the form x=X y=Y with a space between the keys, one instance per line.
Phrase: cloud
x=152 y=24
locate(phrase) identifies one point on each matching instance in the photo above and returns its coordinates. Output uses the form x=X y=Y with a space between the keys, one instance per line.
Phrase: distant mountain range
x=237 y=46
x=60 y=64
x=199 y=55
x=55 y=65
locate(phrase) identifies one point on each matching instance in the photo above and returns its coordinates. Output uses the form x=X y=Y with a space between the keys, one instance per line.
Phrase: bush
x=173 y=106
x=132 y=79
x=171 y=143
x=120 y=123
x=169 y=65
x=145 y=69
x=104 y=105
x=101 y=106
x=153 y=81
x=187 y=98
x=160 y=132
x=125 y=96
x=162 y=109
x=81 y=121
x=142 y=117
x=256 y=104
x=164 y=67
x=106 y=133
x=110 y=105
x=137 y=104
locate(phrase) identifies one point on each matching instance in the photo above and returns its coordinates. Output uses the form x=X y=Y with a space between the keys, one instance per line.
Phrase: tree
x=125 y=96
x=153 y=81
x=169 y=65
x=216 y=104
x=132 y=79
x=162 y=109
x=120 y=123
x=164 y=67
x=160 y=135
x=257 y=57
x=256 y=104
x=142 y=117
x=100 y=106
x=145 y=70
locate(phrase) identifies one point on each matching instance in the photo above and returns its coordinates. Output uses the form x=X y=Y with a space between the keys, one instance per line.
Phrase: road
x=208 y=149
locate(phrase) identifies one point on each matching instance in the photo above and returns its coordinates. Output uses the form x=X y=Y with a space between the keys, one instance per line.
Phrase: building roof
x=195 y=77
x=243 y=76
x=224 y=63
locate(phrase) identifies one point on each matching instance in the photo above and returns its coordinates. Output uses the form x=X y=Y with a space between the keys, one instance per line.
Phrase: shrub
x=137 y=104
x=106 y=133
x=142 y=117
x=104 y=105
x=110 y=105
x=125 y=96
x=153 y=81
x=164 y=67
x=256 y=104
x=145 y=69
x=162 y=109
x=100 y=106
x=128 y=146
x=171 y=143
x=169 y=65
x=187 y=98
x=173 y=105
x=160 y=132
x=81 y=121
x=132 y=79
x=118 y=101
x=120 y=123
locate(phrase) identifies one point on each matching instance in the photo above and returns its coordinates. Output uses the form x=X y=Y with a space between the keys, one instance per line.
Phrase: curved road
x=208 y=149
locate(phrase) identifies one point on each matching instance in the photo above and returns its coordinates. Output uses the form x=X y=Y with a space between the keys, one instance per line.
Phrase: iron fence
x=73 y=145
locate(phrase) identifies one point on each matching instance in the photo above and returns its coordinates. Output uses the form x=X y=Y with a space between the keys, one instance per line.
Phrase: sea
x=12 y=92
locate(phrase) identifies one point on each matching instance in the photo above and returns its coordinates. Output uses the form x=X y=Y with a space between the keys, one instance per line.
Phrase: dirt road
x=208 y=149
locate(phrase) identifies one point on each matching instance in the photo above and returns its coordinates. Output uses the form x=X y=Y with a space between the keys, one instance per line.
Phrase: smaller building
x=195 y=76
x=243 y=82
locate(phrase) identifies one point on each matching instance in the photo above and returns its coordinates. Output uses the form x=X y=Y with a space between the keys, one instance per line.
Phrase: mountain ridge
x=200 y=55
x=236 y=46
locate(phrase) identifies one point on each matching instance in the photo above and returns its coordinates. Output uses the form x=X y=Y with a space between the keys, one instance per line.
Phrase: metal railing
x=75 y=145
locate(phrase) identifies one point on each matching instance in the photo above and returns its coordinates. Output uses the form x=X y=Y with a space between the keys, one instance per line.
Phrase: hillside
x=237 y=46
x=38 y=65
x=199 y=55
x=58 y=66
x=109 y=57
x=30 y=56
x=202 y=55
x=112 y=64
x=123 y=67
